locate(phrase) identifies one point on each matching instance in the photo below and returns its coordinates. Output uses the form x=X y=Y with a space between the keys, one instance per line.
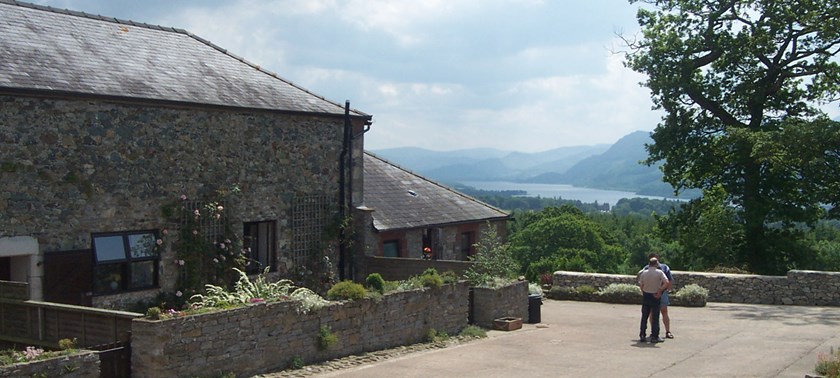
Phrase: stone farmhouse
x=413 y=213
x=103 y=122
x=106 y=123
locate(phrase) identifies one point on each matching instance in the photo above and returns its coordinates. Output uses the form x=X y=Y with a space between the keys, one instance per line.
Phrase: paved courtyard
x=583 y=339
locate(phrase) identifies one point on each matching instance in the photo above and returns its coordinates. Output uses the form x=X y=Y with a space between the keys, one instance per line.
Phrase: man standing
x=653 y=283
x=664 y=300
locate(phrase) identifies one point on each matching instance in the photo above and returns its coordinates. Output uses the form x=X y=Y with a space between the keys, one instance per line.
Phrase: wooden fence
x=45 y=323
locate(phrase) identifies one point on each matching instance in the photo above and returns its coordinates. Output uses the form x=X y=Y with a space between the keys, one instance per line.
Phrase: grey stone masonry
x=75 y=167
x=80 y=365
x=491 y=304
x=799 y=287
x=265 y=337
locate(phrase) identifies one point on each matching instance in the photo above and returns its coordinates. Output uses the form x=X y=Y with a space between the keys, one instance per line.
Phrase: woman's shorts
x=663 y=301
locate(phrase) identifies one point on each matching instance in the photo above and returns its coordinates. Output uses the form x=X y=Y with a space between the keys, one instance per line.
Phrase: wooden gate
x=115 y=360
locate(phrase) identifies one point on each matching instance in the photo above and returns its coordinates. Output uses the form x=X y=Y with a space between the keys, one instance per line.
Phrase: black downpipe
x=342 y=201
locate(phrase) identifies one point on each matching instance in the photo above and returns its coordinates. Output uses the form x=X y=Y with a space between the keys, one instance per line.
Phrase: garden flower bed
x=222 y=342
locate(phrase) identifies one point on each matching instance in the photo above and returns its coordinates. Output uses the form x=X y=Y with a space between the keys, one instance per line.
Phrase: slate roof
x=402 y=199
x=62 y=51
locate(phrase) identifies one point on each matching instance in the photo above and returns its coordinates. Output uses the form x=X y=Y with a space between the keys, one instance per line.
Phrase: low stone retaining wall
x=265 y=337
x=799 y=287
x=490 y=304
x=81 y=365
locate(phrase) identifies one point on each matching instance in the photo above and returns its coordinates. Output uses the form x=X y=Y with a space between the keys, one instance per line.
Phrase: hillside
x=614 y=166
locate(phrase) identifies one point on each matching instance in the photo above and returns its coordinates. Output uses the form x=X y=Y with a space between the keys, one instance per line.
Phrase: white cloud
x=522 y=75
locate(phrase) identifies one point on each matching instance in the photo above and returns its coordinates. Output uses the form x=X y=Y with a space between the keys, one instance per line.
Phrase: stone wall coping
x=797 y=287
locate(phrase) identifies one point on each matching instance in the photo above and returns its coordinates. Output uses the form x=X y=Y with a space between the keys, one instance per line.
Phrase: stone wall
x=799 y=287
x=81 y=365
x=490 y=304
x=76 y=167
x=266 y=336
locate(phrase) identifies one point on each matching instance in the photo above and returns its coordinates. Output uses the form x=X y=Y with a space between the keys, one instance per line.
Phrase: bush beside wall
x=223 y=342
x=799 y=287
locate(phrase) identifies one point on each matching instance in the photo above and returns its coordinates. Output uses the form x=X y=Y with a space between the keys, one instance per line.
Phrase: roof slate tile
x=44 y=48
x=402 y=199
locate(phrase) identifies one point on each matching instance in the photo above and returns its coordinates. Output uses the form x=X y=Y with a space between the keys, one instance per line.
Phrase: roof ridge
x=260 y=69
x=92 y=16
x=445 y=187
x=172 y=30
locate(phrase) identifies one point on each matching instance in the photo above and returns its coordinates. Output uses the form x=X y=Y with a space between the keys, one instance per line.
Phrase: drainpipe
x=349 y=129
x=342 y=180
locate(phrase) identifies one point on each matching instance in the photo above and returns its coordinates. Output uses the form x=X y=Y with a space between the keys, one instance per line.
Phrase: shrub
x=547 y=279
x=246 y=291
x=449 y=277
x=560 y=292
x=348 y=290
x=296 y=363
x=67 y=344
x=473 y=331
x=620 y=293
x=492 y=259
x=728 y=269
x=620 y=289
x=391 y=286
x=543 y=266
x=153 y=313
x=434 y=336
x=431 y=278
x=376 y=282
x=586 y=289
x=326 y=338
x=693 y=293
x=828 y=365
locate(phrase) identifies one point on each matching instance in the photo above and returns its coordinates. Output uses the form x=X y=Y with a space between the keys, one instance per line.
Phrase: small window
x=391 y=248
x=467 y=244
x=125 y=261
x=259 y=240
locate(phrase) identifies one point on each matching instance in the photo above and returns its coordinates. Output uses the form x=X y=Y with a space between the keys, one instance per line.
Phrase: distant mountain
x=614 y=166
x=420 y=160
x=487 y=164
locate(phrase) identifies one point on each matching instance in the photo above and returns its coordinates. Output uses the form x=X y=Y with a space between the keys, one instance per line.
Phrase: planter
x=507 y=324
x=489 y=304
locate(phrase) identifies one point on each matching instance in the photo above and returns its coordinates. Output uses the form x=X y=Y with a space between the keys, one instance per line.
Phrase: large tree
x=741 y=84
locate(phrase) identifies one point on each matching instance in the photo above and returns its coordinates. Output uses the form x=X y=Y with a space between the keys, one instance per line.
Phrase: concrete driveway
x=583 y=339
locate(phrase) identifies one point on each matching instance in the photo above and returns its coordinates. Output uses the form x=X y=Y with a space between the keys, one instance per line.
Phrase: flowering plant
x=259 y=290
x=206 y=248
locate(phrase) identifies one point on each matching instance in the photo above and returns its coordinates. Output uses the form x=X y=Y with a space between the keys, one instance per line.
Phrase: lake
x=566 y=192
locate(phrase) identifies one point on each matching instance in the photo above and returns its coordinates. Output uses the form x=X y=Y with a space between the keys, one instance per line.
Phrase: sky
x=515 y=75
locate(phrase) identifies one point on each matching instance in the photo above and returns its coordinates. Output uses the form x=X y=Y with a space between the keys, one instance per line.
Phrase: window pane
x=142 y=274
x=108 y=278
x=391 y=248
x=109 y=248
x=141 y=245
x=466 y=241
x=259 y=240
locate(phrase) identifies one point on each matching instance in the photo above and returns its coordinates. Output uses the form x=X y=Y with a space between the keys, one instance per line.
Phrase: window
x=391 y=248
x=467 y=245
x=259 y=241
x=125 y=261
